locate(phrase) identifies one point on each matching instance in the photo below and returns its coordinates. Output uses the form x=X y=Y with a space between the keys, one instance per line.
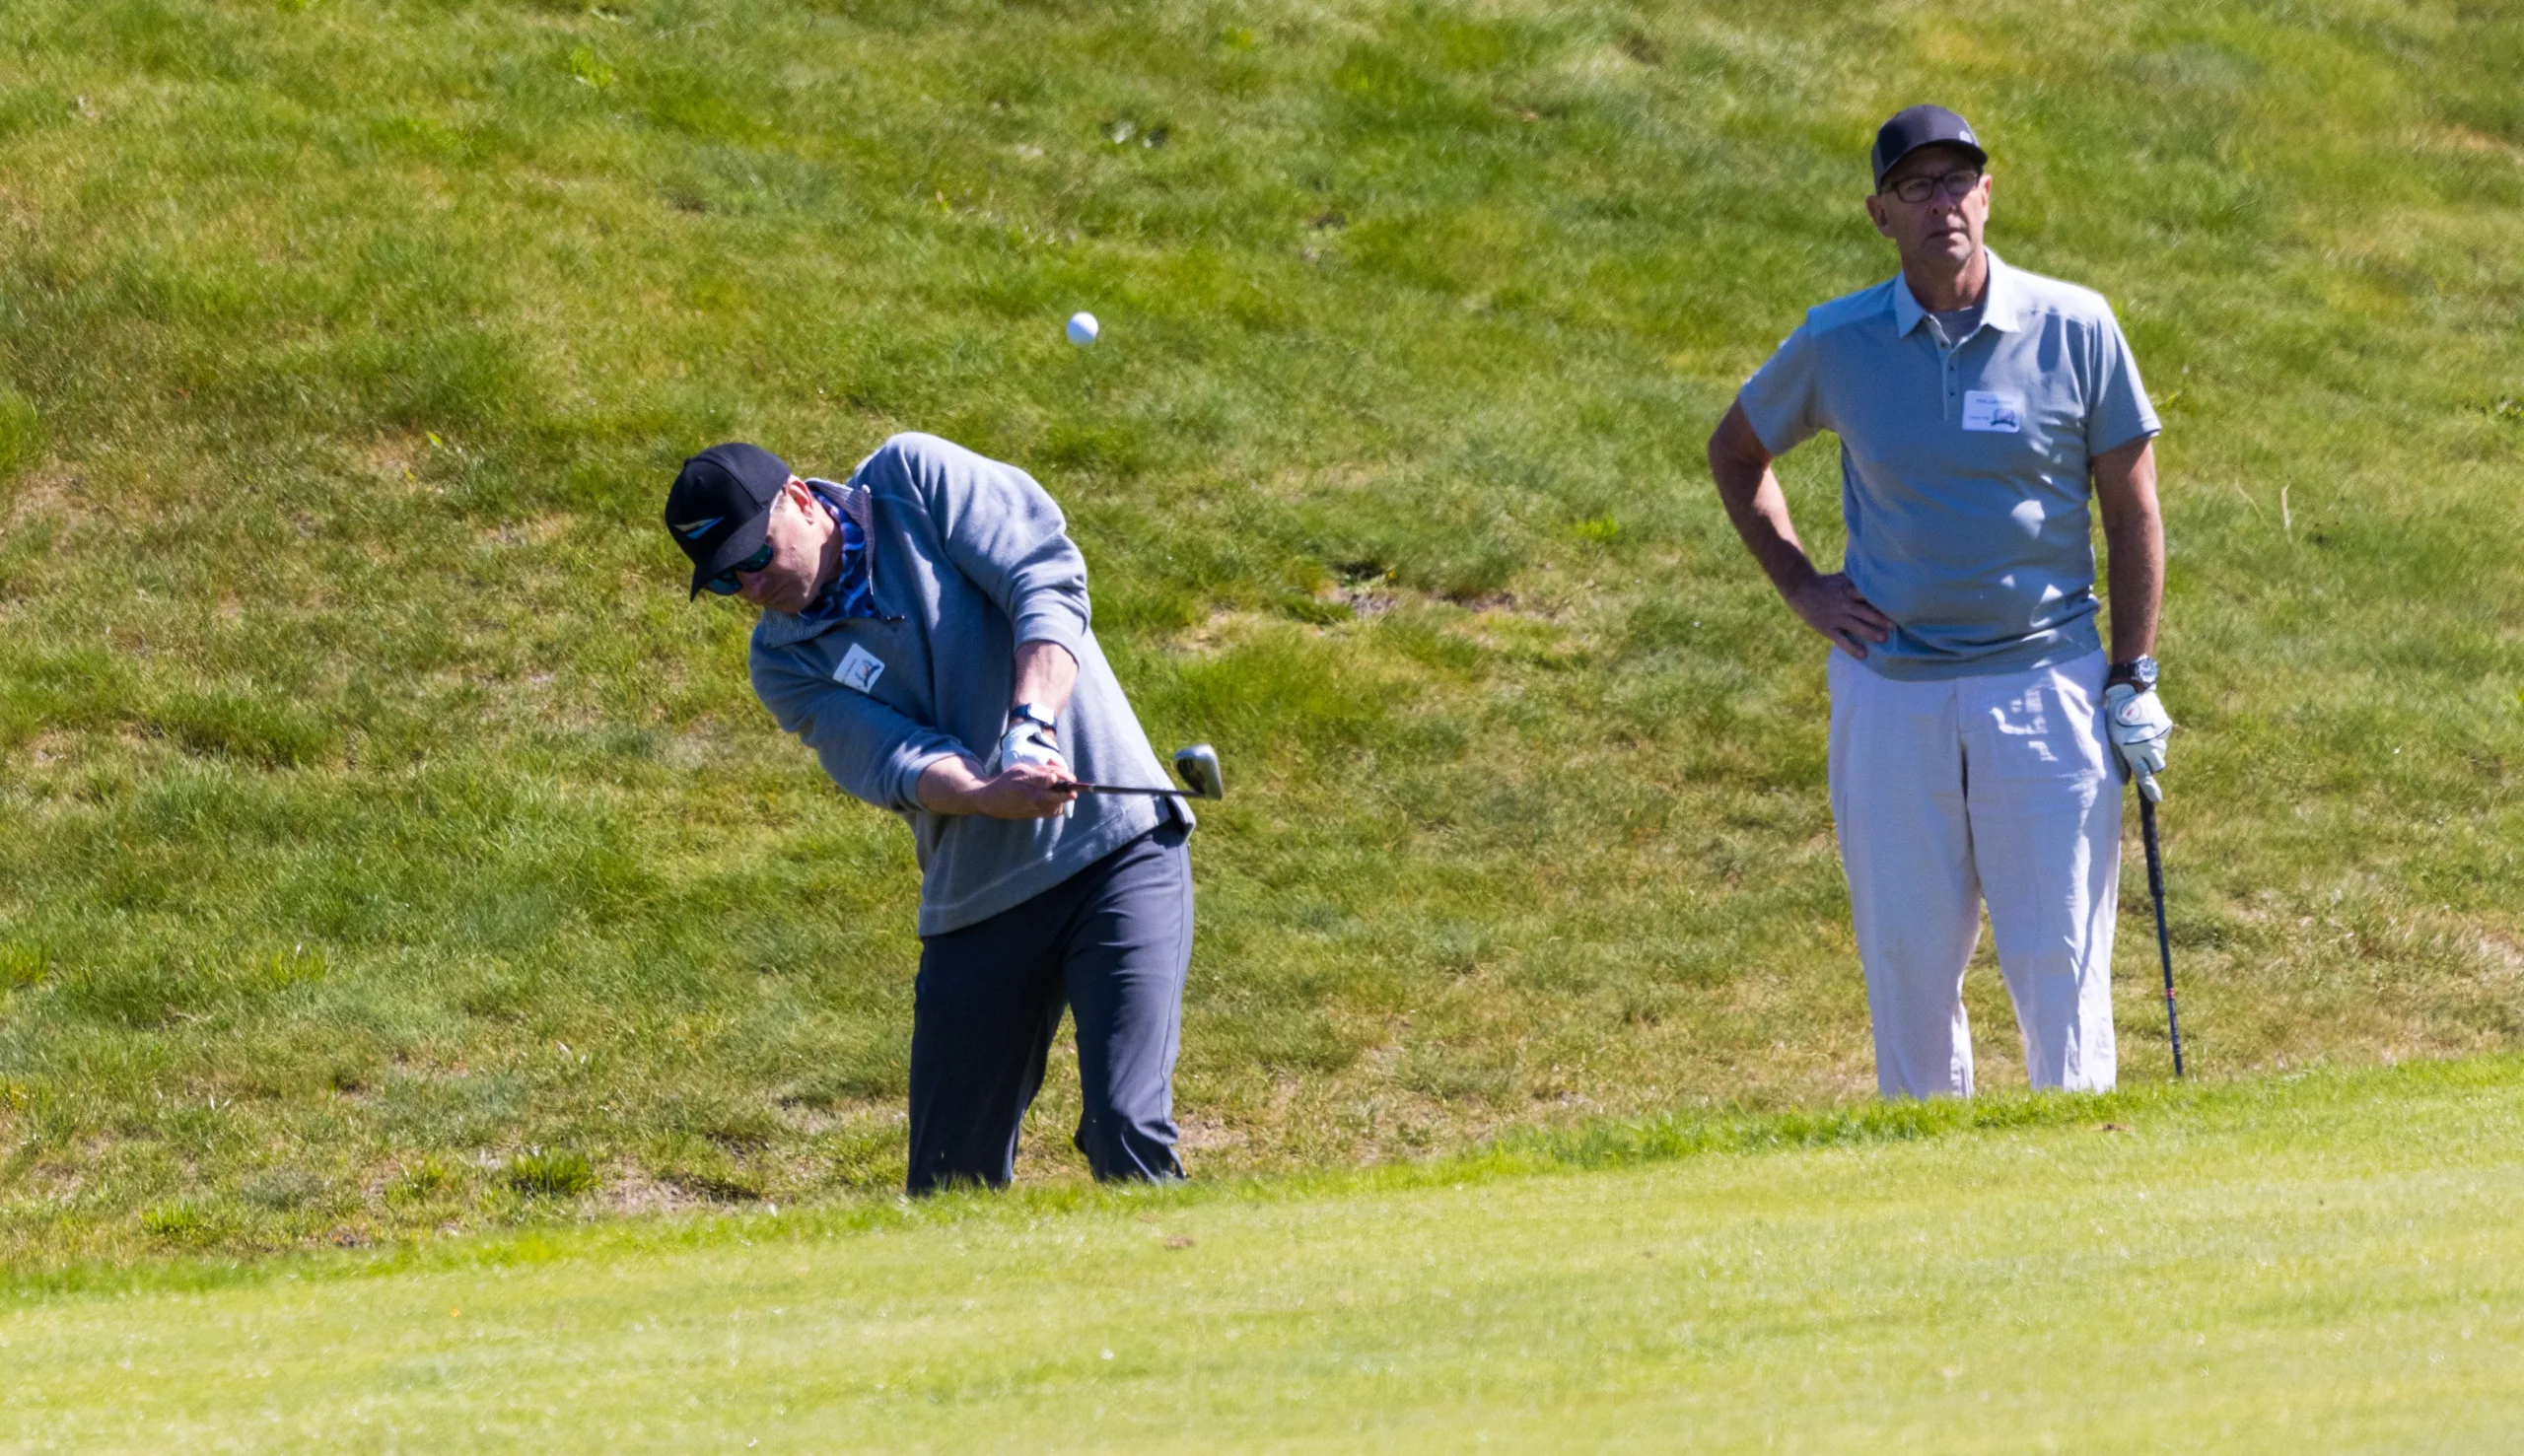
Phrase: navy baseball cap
x=720 y=507
x=1921 y=126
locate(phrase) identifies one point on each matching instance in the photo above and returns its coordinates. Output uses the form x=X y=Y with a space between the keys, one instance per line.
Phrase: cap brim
x=740 y=543
x=1980 y=158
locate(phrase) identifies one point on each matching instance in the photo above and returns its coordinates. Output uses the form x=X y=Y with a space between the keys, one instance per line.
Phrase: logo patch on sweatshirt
x=859 y=669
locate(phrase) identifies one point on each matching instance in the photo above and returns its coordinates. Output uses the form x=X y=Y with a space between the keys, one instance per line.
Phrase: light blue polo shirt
x=1963 y=470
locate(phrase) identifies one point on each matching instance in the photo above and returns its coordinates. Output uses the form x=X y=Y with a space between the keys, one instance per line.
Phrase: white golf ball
x=1083 y=329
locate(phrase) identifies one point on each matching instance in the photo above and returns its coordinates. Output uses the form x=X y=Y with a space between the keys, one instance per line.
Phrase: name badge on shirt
x=1988 y=412
x=859 y=669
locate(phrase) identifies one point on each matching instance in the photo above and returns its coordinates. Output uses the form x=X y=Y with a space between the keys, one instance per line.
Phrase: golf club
x=1199 y=767
x=2148 y=793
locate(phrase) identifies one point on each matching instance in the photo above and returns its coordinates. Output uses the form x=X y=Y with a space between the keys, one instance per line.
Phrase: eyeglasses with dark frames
x=1956 y=185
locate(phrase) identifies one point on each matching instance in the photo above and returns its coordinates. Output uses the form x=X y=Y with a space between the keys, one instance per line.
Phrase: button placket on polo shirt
x=1952 y=358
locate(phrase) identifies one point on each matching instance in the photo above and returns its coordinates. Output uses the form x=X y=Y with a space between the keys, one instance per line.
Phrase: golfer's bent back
x=925 y=629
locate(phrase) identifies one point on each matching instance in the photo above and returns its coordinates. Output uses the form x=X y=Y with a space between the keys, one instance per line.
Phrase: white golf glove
x=2139 y=726
x=1031 y=743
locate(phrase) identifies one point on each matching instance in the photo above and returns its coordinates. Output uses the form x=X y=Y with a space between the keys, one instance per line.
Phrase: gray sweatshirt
x=970 y=558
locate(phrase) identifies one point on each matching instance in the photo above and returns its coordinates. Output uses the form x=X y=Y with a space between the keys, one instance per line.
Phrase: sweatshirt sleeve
x=1001 y=531
x=874 y=753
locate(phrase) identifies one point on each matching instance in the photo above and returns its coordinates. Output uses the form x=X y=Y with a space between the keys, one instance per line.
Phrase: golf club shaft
x=2164 y=944
x=1126 y=788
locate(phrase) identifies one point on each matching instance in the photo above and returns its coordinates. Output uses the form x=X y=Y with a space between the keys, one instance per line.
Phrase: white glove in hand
x=1031 y=743
x=2139 y=726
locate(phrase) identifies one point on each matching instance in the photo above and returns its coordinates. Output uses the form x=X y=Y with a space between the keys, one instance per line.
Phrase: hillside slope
x=379 y=815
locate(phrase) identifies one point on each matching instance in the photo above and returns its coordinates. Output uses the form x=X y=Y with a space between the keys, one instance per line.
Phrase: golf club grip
x=2164 y=942
x=1127 y=789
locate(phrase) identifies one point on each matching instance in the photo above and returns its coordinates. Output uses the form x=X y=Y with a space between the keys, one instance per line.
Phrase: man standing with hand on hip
x=1975 y=715
x=924 y=629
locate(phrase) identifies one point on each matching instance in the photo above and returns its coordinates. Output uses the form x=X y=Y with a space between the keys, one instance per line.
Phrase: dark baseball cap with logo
x=720 y=506
x=1921 y=126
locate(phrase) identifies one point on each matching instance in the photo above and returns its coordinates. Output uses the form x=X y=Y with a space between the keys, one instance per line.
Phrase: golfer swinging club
x=924 y=629
x=1974 y=713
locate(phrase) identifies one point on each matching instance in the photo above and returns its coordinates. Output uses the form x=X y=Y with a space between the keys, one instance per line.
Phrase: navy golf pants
x=1111 y=942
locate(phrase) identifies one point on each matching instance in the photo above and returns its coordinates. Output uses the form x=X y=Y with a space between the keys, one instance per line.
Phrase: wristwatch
x=2141 y=673
x=1040 y=716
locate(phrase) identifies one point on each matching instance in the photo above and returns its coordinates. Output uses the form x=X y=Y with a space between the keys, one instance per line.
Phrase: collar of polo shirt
x=2001 y=306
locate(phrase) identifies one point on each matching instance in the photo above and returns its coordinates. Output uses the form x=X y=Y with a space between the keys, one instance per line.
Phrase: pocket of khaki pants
x=2044 y=730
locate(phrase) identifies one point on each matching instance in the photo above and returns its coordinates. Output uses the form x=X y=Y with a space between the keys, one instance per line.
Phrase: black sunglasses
x=725 y=584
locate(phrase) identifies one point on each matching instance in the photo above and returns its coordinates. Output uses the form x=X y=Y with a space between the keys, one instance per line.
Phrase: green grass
x=2318 y=1263
x=378 y=816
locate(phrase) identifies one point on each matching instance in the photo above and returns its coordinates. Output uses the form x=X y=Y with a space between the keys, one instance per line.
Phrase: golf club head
x=1199 y=767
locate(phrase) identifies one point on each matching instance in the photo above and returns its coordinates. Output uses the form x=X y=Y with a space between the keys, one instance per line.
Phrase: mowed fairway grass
x=2324 y=1264
x=386 y=848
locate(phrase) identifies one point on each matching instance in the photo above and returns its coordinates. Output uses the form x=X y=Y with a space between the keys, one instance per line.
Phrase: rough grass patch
x=255 y=728
x=284 y=1189
x=427 y=1179
x=549 y=1173
x=183 y=1223
x=279 y=970
x=22 y=439
x=725 y=1185
x=23 y=965
x=1281 y=692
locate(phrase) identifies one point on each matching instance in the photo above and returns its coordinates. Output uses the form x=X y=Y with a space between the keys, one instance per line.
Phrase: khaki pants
x=1946 y=795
